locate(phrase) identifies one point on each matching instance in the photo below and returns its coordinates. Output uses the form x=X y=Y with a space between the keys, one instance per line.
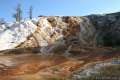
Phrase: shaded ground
x=37 y=67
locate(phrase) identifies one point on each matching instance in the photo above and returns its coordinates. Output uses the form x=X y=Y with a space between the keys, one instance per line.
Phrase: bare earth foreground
x=36 y=67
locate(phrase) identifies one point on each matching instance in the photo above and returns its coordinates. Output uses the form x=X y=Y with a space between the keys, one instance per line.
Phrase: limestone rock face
x=89 y=31
x=76 y=29
x=54 y=31
x=15 y=34
x=46 y=37
x=108 y=28
x=51 y=33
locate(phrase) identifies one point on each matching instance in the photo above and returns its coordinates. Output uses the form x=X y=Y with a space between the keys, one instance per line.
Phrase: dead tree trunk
x=18 y=14
x=30 y=12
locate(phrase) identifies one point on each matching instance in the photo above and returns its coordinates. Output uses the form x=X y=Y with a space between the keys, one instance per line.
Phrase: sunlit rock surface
x=53 y=32
x=16 y=34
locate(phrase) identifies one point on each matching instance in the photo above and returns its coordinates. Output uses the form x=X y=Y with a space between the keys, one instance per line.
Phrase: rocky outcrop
x=16 y=34
x=54 y=32
x=45 y=37
x=75 y=29
x=107 y=27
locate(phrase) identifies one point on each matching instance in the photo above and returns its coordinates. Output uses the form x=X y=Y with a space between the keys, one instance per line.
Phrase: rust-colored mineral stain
x=56 y=65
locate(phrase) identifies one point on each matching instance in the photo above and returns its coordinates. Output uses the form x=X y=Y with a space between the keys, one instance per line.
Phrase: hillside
x=51 y=47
